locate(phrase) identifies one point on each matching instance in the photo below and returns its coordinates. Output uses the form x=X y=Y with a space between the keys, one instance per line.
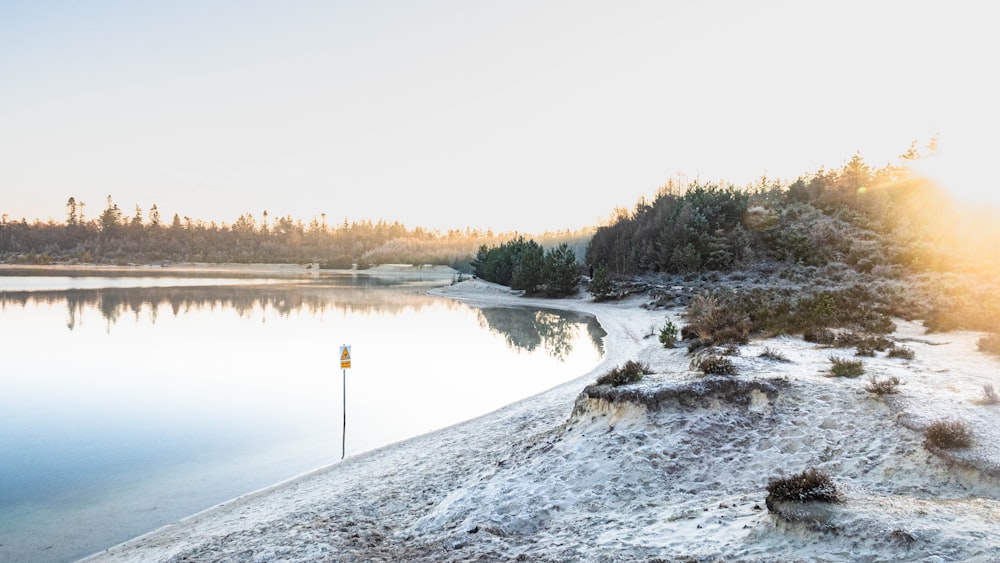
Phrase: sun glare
x=961 y=172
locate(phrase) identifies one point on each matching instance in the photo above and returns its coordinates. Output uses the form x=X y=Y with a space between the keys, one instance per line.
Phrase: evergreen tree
x=561 y=273
x=528 y=266
x=600 y=283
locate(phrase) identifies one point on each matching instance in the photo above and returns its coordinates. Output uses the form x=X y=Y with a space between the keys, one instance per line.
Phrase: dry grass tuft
x=886 y=386
x=809 y=486
x=948 y=435
x=631 y=372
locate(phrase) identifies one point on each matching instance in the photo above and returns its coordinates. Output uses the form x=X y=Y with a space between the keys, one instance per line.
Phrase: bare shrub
x=715 y=323
x=769 y=354
x=631 y=372
x=820 y=336
x=901 y=352
x=948 y=434
x=809 y=486
x=717 y=365
x=990 y=396
x=990 y=344
x=846 y=368
x=865 y=349
x=886 y=386
x=902 y=536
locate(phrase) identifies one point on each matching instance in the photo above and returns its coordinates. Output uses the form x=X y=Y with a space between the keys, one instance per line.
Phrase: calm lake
x=130 y=401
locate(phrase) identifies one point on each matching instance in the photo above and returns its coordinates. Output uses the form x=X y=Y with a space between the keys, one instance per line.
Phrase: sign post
x=345 y=364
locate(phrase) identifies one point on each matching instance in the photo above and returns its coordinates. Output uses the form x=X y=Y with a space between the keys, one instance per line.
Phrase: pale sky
x=510 y=115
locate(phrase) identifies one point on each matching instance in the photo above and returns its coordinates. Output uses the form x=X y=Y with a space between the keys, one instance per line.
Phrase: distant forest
x=886 y=221
x=114 y=238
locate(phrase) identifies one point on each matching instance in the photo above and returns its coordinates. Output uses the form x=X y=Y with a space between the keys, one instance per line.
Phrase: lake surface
x=128 y=402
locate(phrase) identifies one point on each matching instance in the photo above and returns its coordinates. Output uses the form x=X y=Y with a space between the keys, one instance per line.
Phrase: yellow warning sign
x=345 y=357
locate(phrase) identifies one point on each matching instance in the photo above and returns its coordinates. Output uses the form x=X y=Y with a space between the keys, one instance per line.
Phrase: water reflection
x=160 y=401
x=247 y=301
x=526 y=330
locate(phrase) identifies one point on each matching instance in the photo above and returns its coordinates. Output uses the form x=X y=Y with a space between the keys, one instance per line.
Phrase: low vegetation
x=990 y=396
x=773 y=355
x=846 y=368
x=811 y=485
x=887 y=386
x=631 y=372
x=868 y=345
x=990 y=344
x=901 y=352
x=948 y=434
x=715 y=364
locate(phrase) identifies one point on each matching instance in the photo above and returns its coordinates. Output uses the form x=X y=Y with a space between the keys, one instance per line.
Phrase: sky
x=507 y=115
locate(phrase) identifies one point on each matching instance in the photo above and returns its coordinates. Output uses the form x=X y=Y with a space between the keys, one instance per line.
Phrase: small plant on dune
x=901 y=352
x=769 y=354
x=990 y=344
x=886 y=386
x=631 y=372
x=948 y=434
x=715 y=364
x=865 y=349
x=820 y=336
x=668 y=334
x=846 y=368
x=811 y=485
x=990 y=396
x=902 y=536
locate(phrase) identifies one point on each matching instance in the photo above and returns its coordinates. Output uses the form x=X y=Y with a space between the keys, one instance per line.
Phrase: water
x=129 y=402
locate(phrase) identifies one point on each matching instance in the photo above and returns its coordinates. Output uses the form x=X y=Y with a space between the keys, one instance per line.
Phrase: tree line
x=116 y=238
x=524 y=264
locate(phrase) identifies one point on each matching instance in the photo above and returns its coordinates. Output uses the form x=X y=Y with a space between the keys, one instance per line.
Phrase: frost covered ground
x=673 y=468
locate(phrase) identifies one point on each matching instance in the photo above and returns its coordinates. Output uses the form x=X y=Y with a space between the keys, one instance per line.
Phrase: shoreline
x=674 y=467
x=231 y=268
x=463 y=450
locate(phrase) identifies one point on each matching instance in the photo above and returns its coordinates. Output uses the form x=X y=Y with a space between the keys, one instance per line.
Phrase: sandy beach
x=674 y=469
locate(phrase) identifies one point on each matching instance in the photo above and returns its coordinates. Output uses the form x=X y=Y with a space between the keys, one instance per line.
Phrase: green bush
x=948 y=434
x=846 y=368
x=809 y=486
x=631 y=372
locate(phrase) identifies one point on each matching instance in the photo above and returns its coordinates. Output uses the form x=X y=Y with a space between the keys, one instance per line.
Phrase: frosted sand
x=683 y=478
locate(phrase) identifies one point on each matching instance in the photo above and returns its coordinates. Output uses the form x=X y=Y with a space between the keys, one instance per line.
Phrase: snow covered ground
x=673 y=468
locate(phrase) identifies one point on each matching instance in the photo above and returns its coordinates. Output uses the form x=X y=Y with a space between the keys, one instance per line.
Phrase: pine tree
x=561 y=274
x=600 y=283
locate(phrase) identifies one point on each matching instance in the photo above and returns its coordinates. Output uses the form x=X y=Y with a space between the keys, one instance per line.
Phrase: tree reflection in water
x=554 y=331
x=523 y=329
x=280 y=300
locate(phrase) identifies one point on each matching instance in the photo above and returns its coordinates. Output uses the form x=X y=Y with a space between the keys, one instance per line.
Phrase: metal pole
x=343 y=435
